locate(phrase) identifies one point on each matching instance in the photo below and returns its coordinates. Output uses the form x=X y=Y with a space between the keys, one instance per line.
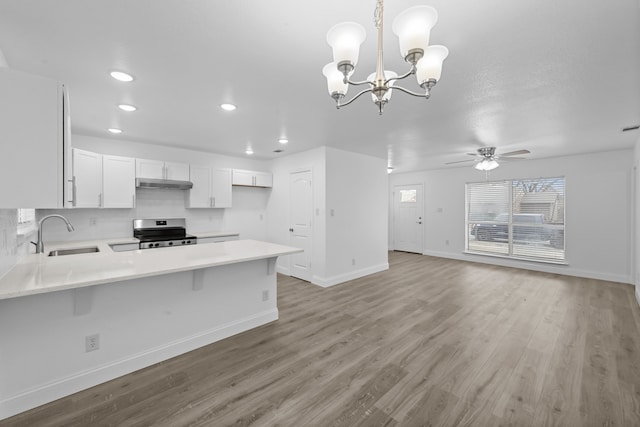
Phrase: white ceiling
x=557 y=77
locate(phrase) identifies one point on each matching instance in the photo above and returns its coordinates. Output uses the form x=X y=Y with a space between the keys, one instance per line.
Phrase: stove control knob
x=170 y=243
x=188 y=242
x=157 y=244
x=183 y=242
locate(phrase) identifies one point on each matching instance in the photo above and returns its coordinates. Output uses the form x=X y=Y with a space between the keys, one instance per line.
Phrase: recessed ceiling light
x=228 y=107
x=121 y=76
x=248 y=151
x=283 y=140
x=389 y=169
x=114 y=130
x=127 y=107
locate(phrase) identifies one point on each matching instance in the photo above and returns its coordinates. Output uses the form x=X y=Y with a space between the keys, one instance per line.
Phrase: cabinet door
x=87 y=174
x=263 y=179
x=221 y=188
x=241 y=177
x=153 y=169
x=31 y=120
x=177 y=171
x=118 y=182
x=200 y=194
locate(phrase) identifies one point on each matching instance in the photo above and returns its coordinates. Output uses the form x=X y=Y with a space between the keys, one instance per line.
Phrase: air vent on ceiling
x=278 y=150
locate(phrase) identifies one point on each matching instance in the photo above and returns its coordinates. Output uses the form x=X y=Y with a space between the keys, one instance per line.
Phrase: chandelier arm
x=404 y=76
x=338 y=105
x=363 y=82
x=407 y=91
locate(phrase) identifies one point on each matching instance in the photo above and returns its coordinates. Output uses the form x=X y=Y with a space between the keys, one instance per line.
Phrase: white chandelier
x=412 y=28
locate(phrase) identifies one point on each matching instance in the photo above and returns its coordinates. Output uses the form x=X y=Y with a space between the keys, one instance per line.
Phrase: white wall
x=598 y=211
x=357 y=217
x=248 y=215
x=636 y=219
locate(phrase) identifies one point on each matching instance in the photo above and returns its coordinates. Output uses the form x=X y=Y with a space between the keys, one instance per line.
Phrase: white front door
x=300 y=231
x=408 y=219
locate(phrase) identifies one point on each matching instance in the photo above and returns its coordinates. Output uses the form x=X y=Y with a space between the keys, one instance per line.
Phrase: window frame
x=511 y=183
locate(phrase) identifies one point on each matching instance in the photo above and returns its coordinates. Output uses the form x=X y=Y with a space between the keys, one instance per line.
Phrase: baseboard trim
x=83 y=380
x=326 y=282
x=283 y=270
x=535 y=266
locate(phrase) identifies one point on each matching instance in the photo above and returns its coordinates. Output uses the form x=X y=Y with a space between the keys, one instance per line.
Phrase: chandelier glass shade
x=413 y=28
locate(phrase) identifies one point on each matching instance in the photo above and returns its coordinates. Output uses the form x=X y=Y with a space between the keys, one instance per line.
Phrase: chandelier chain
x=377 y=14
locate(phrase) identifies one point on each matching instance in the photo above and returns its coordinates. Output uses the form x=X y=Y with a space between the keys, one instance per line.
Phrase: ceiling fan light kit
x=487 y=160
x=487 y=165
x=413 y=28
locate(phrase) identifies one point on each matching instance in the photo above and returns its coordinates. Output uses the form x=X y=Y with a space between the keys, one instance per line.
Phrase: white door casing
x=300 y=231
x=408 y=218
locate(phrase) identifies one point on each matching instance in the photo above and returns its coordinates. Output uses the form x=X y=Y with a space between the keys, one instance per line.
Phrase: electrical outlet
x=91 y=342
x=265 y=295
x=446 y=242
x=93 y=221
x=353 y=261
x=261 y=217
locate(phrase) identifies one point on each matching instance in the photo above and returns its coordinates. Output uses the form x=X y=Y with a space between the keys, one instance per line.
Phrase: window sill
x=537 y=260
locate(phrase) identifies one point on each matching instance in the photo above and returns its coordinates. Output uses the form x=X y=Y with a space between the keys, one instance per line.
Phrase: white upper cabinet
x=157 y=169
x=252 y=178
x=211 y=187
x=34 y=140
x=87 y=179
x=118 y=182
x=102 y=181
x=176 y=171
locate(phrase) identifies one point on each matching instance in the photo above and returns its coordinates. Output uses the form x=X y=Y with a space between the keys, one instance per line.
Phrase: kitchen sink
x=74 y=251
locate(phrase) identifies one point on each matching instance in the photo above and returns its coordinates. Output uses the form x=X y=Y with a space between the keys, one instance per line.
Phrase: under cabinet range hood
x=163 y=183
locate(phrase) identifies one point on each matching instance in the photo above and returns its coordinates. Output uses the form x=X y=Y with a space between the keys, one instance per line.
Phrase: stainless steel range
x=160 y=233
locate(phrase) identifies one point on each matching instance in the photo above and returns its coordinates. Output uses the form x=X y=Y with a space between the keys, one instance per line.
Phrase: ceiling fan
x=486 y=158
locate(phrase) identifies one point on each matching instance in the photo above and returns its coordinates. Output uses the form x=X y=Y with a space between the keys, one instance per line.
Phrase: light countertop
x=39 y=273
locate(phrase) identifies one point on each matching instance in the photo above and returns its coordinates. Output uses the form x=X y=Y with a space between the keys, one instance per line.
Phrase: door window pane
x=408 y=196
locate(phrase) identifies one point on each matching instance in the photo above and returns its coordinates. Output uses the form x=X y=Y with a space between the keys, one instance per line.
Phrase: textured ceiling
x=556 y=78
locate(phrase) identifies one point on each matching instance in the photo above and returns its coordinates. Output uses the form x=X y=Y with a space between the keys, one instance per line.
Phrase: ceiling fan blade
x=472 y=154
x=510 y=158
x=515 y=153
x=459 y=161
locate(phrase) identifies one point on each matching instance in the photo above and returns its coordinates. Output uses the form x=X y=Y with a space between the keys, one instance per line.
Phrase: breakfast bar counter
x=71 y=322
x=39 y=273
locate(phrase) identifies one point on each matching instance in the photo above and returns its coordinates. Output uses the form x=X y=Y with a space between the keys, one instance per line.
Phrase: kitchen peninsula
x=71 y=322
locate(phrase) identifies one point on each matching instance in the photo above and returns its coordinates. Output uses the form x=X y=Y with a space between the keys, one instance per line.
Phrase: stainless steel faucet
x=40 y=243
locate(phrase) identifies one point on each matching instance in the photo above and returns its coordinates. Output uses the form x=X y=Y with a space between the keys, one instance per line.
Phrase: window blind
x=522 y=219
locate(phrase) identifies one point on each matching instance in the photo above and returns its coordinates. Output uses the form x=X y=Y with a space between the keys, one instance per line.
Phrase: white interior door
x=408 y=222
x=300 y=231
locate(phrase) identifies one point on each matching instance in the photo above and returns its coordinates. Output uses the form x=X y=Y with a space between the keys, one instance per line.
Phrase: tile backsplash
x=247 y=216
x=12 y=245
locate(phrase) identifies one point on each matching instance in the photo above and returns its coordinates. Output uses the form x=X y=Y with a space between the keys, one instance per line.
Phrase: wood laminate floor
x=431 y=342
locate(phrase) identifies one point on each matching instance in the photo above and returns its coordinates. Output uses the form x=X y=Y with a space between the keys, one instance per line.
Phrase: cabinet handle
x=214 y=202
x=100 y=200
x=74 y=191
